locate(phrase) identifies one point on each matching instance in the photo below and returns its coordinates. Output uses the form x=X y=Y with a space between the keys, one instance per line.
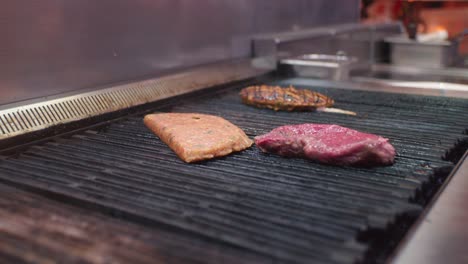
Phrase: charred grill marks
x=289 y=99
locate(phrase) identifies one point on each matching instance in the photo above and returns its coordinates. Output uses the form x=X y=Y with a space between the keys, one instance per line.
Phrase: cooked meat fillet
x=289 y=99
x=330 y=144
x=195 y=137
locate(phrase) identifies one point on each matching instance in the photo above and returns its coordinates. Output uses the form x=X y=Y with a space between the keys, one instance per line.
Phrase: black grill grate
x=290 y=210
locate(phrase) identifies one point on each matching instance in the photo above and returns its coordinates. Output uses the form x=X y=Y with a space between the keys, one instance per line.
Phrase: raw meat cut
x=194 y=137
x=329 y=144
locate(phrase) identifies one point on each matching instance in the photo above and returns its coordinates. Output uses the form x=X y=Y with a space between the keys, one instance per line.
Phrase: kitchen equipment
x=322 y=66
x=291 y=210
x=431 y=54
x=83 y=180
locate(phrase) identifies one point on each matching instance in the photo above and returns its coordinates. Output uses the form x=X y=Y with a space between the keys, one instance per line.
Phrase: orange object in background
x=451 y=16
x=380 y=10
x=452 y=19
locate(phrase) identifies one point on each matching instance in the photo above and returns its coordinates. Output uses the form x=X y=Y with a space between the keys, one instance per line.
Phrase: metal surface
x=357 y=40
x=380 y=49
x=448 y=81
x=435 y=54
x=20 y=120
x=424 y=73
x=34 y=229
x=383 y=87
x=55 y=46
x=290 y=210
x=321 y=66
x=441 y=235
x=429 y=85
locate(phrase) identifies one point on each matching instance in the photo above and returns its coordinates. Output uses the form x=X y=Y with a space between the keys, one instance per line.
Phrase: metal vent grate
x=33 y=117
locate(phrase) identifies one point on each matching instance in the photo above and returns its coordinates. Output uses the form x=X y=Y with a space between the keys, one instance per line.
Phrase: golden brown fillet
x=279 y=98
x=195 y=137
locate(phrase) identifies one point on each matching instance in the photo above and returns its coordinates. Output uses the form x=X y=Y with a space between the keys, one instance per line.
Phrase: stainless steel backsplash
x=55 y=46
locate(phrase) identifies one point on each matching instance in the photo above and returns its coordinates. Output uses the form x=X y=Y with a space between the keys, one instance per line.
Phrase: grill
x=286 y=210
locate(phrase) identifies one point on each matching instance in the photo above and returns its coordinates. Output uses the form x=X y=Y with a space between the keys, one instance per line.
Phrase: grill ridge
x=291 y=210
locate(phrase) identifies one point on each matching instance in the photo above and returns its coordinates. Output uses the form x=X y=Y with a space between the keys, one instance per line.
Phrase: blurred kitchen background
x=436 y=18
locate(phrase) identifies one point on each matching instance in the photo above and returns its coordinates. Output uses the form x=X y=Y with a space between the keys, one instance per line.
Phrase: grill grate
x=291 y=210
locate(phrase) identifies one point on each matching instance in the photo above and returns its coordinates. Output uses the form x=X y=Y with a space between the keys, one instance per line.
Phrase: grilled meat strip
x=279 y=98
x=194 y=137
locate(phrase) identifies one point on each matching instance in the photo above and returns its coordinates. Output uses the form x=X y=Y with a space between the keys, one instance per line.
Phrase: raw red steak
x=330 y=144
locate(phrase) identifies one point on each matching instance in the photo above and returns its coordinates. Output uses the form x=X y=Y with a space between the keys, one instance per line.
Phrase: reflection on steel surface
x=322 y=66
x=55 y=46
x=416 y=84
x=33 y=117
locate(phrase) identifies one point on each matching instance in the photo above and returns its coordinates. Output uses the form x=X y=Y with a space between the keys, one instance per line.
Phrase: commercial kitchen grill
x=278 y=209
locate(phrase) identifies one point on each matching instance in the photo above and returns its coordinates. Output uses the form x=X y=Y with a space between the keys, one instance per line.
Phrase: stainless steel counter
x=56 y=46
x=441 y=236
